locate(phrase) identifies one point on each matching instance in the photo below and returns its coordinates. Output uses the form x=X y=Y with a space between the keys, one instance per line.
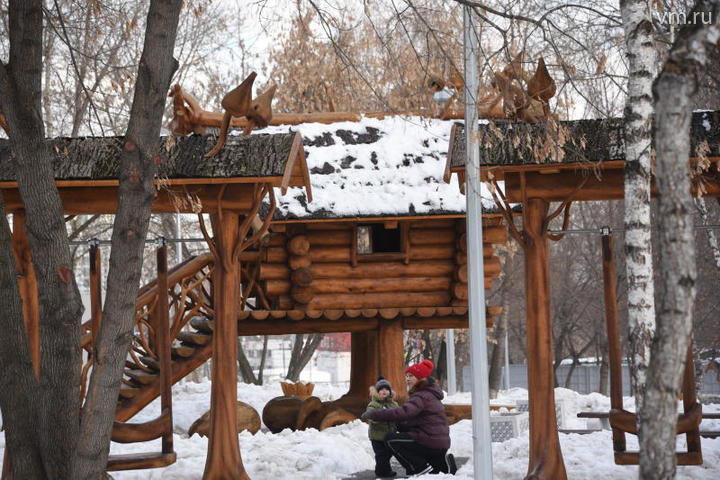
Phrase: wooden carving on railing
x=189 y=296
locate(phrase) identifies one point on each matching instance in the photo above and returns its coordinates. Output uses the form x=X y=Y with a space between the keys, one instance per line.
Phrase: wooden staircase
x=191 y=328
x=173 y=333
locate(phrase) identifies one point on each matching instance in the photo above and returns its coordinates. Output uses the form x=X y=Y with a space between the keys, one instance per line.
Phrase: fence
x=586 y=378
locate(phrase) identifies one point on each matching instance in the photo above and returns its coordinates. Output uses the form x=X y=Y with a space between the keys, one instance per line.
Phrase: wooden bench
x=578 y=431
x=605 y=421
x=604 y=418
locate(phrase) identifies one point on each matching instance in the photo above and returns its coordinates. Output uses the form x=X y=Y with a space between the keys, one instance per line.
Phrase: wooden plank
x=377 y=300
x=321 y=325
x=92 y=200
x=142 y=432
x=140 y=461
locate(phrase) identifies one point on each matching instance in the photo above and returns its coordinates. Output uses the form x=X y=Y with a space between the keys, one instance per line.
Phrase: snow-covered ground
x=341 y=451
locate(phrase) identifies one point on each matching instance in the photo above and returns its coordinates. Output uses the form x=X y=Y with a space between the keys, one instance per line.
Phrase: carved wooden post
x=613 y=334
x=162 y=310
x=363 y=371
x=95 y=290
x=223 y=460
x=28 y=288
x=390 y=356
x=546 y=462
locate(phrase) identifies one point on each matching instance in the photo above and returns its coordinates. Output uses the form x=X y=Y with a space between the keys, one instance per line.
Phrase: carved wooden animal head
x=435 y=83
x=238 y=101
x=260 y=112
x=541 y=85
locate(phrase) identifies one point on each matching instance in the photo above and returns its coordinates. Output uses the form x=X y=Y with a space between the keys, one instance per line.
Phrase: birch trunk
x=642 y=64
x=673 y=92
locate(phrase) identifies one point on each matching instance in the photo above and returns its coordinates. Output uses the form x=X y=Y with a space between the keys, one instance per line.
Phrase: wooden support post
x=162 y=316
x=223 y=460
x=95 y=291
x=546 y=462
x=27 y=282
x=363 y=371
x=690 y=400
x=613 y=334
x=390 y=356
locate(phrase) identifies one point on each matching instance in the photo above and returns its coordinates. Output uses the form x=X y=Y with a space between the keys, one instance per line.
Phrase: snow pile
x=374 y=167
x=339 y=452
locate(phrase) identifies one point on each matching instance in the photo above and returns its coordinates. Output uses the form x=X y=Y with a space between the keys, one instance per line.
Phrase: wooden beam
x=613 y=334
x=162 y=331
x=27 y=284
x=546 y=462
x=391 y=348
x=91 y=200
x=607 y=184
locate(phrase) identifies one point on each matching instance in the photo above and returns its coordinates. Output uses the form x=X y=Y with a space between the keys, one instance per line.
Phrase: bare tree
x=47 y=435
x=672 y=93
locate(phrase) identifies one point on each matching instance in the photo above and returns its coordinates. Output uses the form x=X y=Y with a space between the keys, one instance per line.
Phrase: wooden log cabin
x=568 y=162
x=380 y=248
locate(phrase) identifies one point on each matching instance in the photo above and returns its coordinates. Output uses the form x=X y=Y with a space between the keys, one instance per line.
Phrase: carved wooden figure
x=237 y=102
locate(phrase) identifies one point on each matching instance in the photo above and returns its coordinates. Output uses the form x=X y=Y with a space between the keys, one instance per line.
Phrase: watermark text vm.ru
x=684 y=18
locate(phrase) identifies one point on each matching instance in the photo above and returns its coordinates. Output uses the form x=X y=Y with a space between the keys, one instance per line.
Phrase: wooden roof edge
x=381 y=219
x=295 y=161
x=447 y=174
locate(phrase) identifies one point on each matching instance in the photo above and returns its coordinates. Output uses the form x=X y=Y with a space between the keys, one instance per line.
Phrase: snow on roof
x=375 y=168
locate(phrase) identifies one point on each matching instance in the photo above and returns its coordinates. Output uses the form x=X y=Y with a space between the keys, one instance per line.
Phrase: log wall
x=310 y=266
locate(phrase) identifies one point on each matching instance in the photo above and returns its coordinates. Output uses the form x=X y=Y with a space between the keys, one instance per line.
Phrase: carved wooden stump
x=247 y=419
x=301 y=390
x=281 y=413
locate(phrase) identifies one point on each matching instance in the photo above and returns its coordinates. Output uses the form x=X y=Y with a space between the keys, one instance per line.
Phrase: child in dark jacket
x=381 y=398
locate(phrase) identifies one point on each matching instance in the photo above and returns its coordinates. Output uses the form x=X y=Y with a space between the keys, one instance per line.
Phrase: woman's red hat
x=421 y=370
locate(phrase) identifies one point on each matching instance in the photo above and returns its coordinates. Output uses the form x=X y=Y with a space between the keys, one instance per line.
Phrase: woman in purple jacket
x=423 y=436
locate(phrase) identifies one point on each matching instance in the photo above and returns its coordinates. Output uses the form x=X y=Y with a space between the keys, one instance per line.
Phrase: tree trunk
x=263 y=356
x=498 y=354
x=603 y=386
x=301 y=354
x=244 y=367
x=642 y=64
x=19 y=386
x=673 y=92
x=56 y=400
x=135 y=196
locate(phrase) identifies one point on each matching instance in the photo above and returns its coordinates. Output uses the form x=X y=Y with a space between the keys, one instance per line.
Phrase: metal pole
x=482 y=446
x=178 y=235
x=507 y=363
x=450 y=354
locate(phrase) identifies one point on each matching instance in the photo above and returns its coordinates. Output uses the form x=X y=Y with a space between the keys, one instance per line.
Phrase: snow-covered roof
x=375 y=168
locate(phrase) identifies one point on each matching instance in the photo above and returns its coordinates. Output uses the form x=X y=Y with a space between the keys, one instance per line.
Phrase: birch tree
x=642 y=69
x=673 y=92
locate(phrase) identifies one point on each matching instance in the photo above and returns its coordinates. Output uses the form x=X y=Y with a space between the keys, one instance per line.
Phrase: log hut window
x=376 y=238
